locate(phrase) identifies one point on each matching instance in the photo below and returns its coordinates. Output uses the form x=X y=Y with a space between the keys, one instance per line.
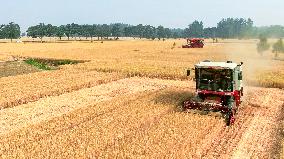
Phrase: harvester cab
x=218 y=88
x=194 y=43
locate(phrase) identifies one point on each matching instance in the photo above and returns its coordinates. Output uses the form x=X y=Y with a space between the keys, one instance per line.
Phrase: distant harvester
x=194 y=43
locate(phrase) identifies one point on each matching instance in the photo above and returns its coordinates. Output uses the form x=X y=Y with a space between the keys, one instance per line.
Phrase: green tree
x=248 y=30
x=195 y=29
x=99 y=31
x=85 y=30
x=137 y=31
x=140 y=29
x=91 y=31
x=274 y=31
x=161 y=32
x=210 y=32
x=2 y=34
x=75 y=30
x=168 y=33
x=278 y=47
x=177 y=33
x=11 y=31
x=50 y=30
x=226 y=28
x=67 y=30
x=37 y=31
x=41 y=30
x=149 y=32
x=128 y=31
x=262 y=45
x=117 y=30
x=235 y=28
x=105 y=31
x=60 y=31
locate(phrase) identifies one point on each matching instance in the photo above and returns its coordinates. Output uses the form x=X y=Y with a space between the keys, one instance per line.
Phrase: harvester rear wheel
x=230 y=117
x=233 y=118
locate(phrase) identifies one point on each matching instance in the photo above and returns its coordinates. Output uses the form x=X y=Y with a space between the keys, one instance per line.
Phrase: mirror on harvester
x=188 y=72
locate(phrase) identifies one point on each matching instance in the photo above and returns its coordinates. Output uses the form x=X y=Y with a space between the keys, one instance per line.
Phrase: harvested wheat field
x=139 y=117
x=26 y=88
x=125 y=102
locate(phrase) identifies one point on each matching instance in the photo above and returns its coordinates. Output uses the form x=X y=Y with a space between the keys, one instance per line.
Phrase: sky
x=169 y=13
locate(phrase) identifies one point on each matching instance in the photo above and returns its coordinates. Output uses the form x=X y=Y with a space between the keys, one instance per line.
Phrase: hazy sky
x=170 y=13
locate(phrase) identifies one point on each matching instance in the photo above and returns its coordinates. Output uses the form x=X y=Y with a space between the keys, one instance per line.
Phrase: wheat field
x=125 y=103
x=156 y=58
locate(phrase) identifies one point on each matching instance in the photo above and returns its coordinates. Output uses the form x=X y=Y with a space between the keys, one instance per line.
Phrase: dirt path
x=137 y=118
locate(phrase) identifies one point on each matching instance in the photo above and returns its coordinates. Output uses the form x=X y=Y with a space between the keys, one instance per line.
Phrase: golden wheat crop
x=137 y=118
x=31 y=87
x=156 y=58
x=91 y=110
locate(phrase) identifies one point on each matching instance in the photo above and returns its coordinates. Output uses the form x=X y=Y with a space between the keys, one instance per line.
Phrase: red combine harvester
x=194 y=43
x=218 y=88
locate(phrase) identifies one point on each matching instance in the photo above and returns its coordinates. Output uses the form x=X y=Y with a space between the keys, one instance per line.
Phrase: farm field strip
x=95 y=110
x=139 y=120
x=157 y=58
x=176 y=133
x=22 y=89
x=99 y=124
x=47 y=108
x=219 y=142
x=262 y=135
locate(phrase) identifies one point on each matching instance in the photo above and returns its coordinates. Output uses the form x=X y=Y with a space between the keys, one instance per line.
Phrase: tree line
x=226 y=28
x=103 y=31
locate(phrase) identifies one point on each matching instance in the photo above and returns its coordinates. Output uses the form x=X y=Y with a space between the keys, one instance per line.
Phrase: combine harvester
x=194 y=43
x=218 y=88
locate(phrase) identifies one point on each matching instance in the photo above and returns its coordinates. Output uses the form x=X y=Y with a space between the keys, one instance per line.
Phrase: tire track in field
x=213 y=145
x=260 y=139
x=233 y=135
x=227 y=141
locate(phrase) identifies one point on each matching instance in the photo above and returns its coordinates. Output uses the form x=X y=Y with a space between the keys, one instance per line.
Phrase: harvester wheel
x=230 y=117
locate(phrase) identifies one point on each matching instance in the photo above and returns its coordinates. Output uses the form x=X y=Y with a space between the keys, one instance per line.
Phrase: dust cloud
x=254 y=64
